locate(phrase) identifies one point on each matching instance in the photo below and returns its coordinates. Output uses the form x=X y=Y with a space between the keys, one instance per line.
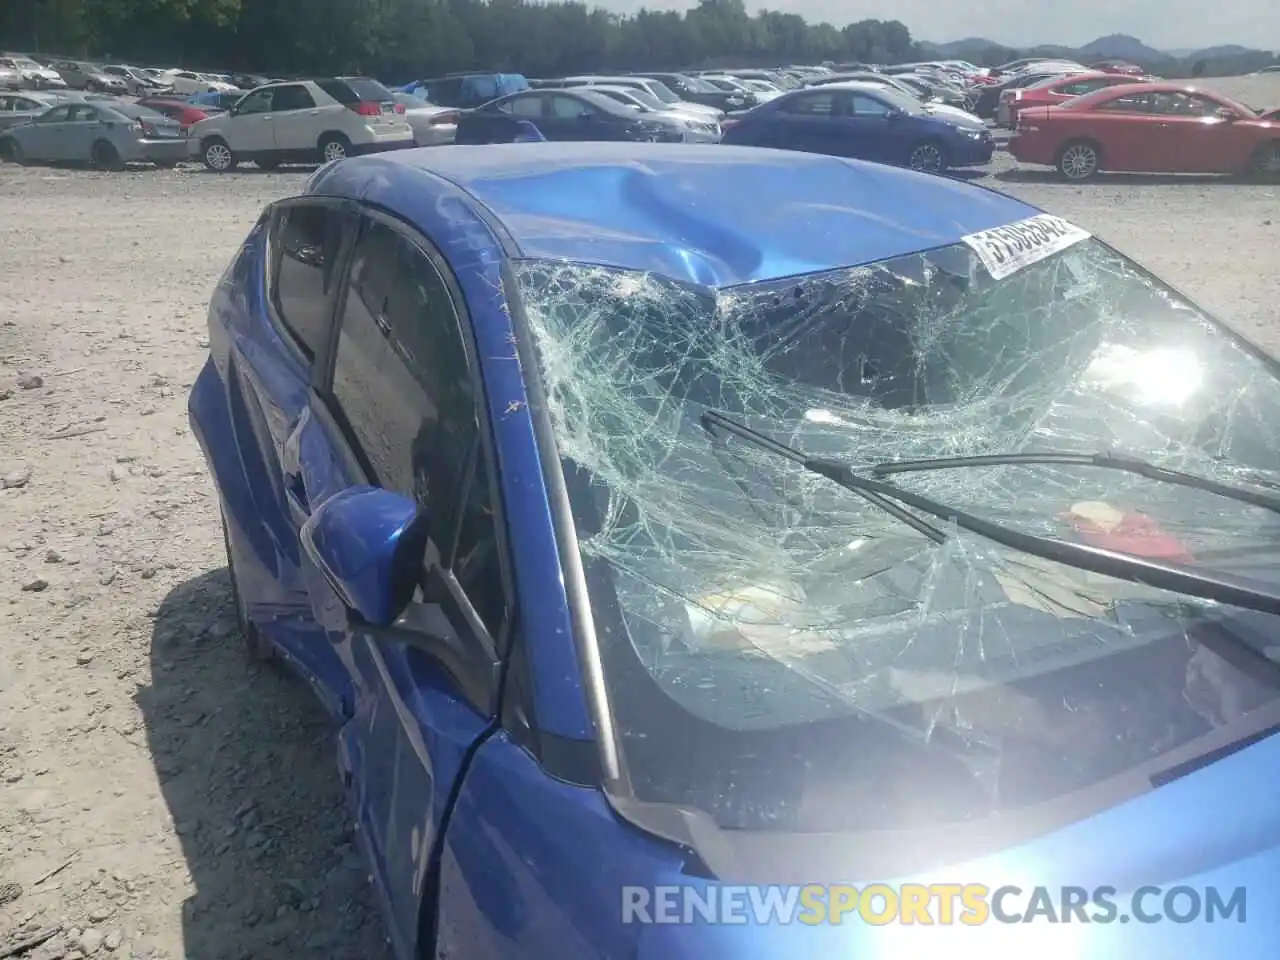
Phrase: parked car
x=692 y=129
x=695 y=90
x=884 y=81
x=544 y=478
x=137 y=81
x=1051 y=92
x=465 y=90
x=655 y=88
x=432 y=124
x=250 y=81
x=1118 y=66
x=107 y=134
x=10 y=76
x=19 y=107
x=304 y=121
x=561 y=115
x=31 y=74
x=189 y=82
x=987 y=103
x=185 y=114
x=868 y=123
x=1148 y=128
x=82 y=75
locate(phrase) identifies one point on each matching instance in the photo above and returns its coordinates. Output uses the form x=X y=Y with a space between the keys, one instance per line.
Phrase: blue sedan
x=864 y=122
x=656 y=552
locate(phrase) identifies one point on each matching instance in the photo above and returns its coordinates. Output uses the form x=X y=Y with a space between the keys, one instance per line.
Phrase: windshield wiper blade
x=714 y=418
x=1106 y=460
x=1232 y=591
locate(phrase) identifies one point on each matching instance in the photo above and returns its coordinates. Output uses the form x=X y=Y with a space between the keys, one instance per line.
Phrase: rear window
x=354 y=89
x=137 y=111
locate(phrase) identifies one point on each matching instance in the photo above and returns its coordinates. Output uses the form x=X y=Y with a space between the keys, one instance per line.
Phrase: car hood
x=1216 y=828
x=953 y=117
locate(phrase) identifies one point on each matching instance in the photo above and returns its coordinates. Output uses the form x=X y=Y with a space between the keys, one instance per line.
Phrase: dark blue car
x=560 y=115
x=865 y=123
x=618 y=522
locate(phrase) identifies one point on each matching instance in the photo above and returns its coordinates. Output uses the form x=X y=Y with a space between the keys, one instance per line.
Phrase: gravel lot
x=189 y=797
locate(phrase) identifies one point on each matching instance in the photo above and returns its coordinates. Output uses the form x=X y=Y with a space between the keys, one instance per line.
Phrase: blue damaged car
x=645 y=543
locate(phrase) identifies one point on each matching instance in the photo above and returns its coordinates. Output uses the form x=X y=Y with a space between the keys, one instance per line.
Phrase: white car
x=32 y=75
x=138 y=82
x=655 y=88
x=188 y=82
x=695 y=129
x=303 y=121
x=432 y=125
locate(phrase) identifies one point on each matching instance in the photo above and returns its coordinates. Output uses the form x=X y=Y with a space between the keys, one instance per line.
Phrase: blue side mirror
x=369 y=544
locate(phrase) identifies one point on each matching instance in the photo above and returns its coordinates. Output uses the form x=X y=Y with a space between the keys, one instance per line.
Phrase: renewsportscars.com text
x=929 y=904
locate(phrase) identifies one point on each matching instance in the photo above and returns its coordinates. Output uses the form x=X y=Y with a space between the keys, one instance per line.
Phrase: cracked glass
x=784 y=655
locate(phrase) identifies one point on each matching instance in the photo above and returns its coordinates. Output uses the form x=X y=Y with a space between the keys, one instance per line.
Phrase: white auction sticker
x=1006 y=250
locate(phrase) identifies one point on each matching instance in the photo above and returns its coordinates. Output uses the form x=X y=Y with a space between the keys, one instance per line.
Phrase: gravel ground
x=187 y=799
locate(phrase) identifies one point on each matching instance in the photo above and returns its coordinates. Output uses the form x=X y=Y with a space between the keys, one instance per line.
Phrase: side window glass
x=815 y=105
x=525 y=107
x=1133 y=104
x=305 y=242
x=293 y=98
x=404 y=385
x=56 y=115
x=863 y=106
x=259 y=102
x=567 y=108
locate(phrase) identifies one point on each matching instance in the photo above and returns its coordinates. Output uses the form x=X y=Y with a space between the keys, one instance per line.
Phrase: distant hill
x=1223 y=60
x=1124 y=47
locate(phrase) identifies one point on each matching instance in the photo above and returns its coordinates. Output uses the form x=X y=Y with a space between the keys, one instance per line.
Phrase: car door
x=84 y=126
x=269 y=378
x=250 y=128
x=807 y=122
x=568 y=118
x=524 y=106
x=1122 y=126
x=1194 y=136
x=297 y=122
x=868 y=129
x=404 y=399
x=45 y=139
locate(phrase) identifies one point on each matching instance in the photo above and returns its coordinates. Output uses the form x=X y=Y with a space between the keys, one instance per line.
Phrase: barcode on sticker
x=1006 y=250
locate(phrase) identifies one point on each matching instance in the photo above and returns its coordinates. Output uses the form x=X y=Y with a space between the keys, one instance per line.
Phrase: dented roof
x=714 y=215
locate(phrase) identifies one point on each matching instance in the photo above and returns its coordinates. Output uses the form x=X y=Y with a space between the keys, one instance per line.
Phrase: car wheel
x=928 y=157
x=1078 y=161
x=11 y=151
x=1265 y=163
x=106 y=156
x=217 y=156
x=255 y=644
x=334 y=147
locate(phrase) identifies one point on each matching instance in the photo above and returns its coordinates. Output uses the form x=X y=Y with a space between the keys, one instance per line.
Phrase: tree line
x=401 y=40
x=407 y=39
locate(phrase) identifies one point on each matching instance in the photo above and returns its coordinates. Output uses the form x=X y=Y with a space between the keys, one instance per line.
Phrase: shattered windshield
x=785 y=655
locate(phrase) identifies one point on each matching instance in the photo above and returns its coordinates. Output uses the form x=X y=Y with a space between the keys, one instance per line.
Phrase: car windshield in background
x=663 y=92
x=785 y=655
x=647 y=99
x=899 y=100
x=366 y=89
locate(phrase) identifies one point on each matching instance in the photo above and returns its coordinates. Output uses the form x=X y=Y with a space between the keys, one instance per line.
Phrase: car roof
x=1162 y=86
x=678 y=210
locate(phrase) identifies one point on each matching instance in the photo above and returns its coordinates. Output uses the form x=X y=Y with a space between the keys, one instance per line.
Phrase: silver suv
x=303 y=121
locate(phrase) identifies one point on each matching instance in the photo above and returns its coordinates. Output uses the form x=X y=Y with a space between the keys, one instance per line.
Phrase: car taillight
x=440 y=119
x=399 y=108
x=366 y=108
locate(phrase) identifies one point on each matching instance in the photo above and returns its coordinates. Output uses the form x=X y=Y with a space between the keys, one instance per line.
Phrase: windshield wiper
x=1106 y=460
x=1233 y=591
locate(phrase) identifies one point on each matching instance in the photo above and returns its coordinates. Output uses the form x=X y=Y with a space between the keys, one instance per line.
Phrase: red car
x=1051 y=92
x=178 y=110
x=1118 y=66
x=1148 y=128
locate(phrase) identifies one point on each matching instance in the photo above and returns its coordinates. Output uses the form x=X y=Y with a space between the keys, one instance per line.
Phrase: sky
x=1163 y=24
